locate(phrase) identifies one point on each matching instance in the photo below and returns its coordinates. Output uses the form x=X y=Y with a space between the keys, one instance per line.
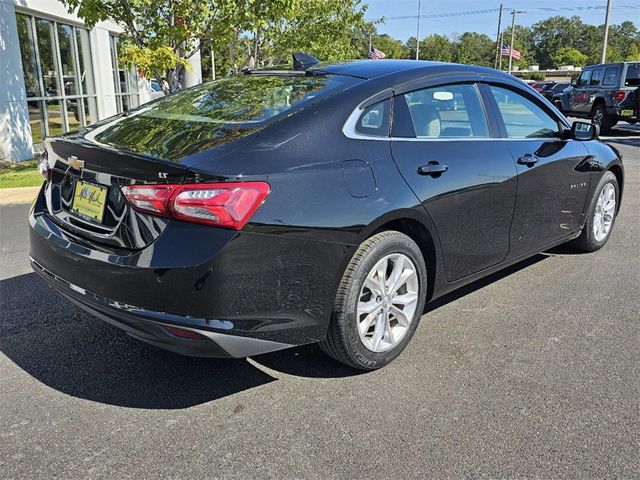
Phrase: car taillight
x=619 y=94
x=227 y=205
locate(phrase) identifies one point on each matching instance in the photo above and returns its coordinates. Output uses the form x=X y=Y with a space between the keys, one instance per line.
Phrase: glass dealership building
x=57 y=76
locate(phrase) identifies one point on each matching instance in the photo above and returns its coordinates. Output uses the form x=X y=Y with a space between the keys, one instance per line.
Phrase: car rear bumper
x=148 y=326
x=248 y=293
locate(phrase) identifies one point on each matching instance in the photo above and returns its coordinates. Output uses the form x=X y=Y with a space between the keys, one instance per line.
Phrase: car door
x=553 y=178
x=443 y=144
x=579 y=94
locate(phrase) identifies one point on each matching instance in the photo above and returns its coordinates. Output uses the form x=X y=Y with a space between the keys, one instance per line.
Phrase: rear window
x=244 y=99
x=215 y=112
x=632 y=78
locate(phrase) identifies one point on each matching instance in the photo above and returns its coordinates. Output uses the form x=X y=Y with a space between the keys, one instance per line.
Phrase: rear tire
x=384 y=260
x=599 y=224
x=599 y=117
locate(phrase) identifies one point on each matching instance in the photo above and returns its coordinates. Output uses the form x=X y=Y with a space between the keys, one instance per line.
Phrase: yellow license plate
x=89 y=200
x=626 y=113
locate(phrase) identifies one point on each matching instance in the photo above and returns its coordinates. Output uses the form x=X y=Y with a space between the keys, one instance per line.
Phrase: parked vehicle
x=540 y=86
x=605 y=93
x=553 y=88
x=326 y=204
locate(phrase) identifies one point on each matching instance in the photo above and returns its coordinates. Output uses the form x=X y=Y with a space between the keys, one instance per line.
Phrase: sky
x=403 y=28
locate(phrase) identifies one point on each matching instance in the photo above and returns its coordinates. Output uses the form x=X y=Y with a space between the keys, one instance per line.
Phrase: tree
x=327 y=29
x=633 y=55
x=554 y=33
x=391 y=47
x=475 y=49
x=568 y=56
x=162 y=35
x=435 y=47
x=523 y=42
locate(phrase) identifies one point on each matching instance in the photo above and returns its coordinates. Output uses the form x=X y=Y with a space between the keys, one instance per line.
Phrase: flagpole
x=418 y=34
x=369 y=52
x=501 y=43
x=513 y=23
x=498 y=43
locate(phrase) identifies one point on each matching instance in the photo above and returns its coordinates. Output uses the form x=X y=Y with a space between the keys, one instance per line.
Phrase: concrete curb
x=13 y=196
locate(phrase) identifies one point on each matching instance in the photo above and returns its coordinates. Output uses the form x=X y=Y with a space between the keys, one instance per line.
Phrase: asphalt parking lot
x=533 y=372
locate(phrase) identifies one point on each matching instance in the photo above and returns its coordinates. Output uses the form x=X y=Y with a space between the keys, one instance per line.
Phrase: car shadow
x=75 y=353
x=483 y=282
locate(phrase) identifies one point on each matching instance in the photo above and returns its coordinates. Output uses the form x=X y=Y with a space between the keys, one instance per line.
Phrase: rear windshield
x=632 y=79
x=215 y=112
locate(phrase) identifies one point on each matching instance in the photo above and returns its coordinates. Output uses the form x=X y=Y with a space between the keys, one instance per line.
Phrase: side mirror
x=584 y=131
x=574 y=81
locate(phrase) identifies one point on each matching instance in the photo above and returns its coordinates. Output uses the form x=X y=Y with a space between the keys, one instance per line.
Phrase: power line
x=495 y=10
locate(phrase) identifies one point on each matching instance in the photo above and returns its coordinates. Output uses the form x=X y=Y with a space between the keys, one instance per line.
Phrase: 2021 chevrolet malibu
x=326 y=204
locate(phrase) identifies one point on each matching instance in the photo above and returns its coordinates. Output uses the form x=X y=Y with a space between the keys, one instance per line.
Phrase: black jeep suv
x=606 y=93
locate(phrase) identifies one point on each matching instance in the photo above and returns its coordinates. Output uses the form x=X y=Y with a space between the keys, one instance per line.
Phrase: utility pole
x=513 y=31
x=418 y=34
x=498 y=42
x=605 y=34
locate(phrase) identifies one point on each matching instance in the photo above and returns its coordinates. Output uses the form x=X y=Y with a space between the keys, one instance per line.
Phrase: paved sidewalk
x=12 y=196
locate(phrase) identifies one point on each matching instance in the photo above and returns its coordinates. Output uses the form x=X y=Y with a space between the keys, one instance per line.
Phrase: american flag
x=505 y=50
x=376 y=54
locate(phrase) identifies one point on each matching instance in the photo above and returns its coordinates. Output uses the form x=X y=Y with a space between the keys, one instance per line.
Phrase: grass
x=23 y=174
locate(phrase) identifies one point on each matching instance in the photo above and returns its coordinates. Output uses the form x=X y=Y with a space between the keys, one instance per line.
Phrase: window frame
x=562 y=124
x=130 y=94
x=599 y=78
x=62 y=98
x=615 y=68
x=587 y=72
x=402 y=114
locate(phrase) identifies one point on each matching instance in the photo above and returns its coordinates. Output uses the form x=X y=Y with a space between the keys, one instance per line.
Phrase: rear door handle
x=527 y=159
x=433 y=169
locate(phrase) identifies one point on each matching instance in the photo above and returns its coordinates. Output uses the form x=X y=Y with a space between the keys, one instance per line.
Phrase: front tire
x=601 y=215
x=379 y=302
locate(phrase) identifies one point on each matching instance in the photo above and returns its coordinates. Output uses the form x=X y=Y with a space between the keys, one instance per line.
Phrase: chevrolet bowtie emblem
x=75 y=163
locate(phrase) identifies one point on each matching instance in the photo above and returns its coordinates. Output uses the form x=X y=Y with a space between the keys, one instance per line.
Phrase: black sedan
x=326 y=204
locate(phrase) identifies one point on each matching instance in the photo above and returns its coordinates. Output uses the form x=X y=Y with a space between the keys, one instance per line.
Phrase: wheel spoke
x=402 y=279
x=381 y=274
x=378 y=331
x=405 y=299
x=403 y=320
x=396 y=273
x=388 y=332
x=373 y=285
x=368 y=321
x=368 y=307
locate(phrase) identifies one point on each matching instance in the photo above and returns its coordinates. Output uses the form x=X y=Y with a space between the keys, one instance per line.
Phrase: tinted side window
x=584 y=78
x=447 y=111
x=522 y=117
x=596 y=76
x=610 y=77
x=375 y=120
x=632 y=78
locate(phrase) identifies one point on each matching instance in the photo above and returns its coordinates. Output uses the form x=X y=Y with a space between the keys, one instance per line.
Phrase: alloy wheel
x=604 y=212
x=387 y=302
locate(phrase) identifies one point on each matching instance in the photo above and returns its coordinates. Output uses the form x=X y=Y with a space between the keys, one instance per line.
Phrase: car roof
x=368 y=69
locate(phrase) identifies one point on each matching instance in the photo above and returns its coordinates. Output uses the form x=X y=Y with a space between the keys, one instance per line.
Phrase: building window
x=125 y=80
x=58 y=76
